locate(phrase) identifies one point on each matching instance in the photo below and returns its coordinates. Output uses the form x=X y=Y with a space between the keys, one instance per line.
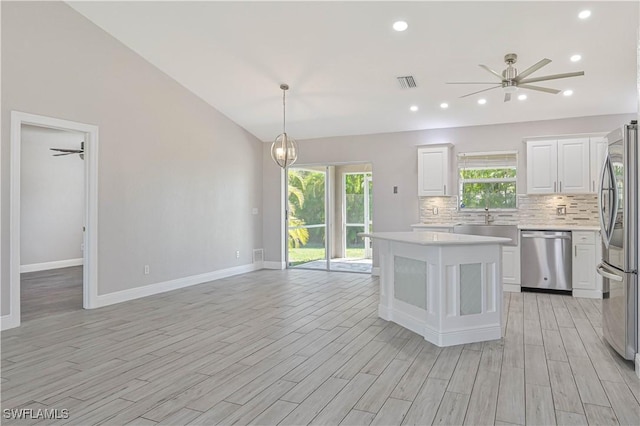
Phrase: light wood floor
x=306 y=347
x=46 y=293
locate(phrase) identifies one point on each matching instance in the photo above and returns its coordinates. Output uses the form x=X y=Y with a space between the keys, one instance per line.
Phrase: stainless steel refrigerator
x=618 y=206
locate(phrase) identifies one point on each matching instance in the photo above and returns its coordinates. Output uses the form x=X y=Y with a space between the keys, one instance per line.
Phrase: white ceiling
x=341 y=59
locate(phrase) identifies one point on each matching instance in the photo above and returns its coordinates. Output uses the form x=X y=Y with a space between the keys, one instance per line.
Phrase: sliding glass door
x=306 y=217
x=357 y=202
x=327 y=207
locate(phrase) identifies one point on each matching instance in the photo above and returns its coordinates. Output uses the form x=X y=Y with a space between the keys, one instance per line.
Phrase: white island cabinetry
x=445 y=287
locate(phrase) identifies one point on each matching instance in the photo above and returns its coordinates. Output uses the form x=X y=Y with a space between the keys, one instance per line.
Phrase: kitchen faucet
x=488 y=218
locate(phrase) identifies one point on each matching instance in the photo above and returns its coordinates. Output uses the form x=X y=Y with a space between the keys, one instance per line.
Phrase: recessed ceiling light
x=575 y=58
x=482 y=101
x=444 y=105
x=584 y=14
x=414 y=108
x=568 y=92
x=400 y=25
x=522 y=97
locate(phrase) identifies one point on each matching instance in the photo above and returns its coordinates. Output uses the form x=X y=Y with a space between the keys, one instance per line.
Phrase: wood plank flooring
x=46 y=293
x=306 y=347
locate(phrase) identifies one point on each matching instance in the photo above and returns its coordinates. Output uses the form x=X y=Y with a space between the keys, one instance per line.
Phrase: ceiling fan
x=511 y=81
x=65 y=151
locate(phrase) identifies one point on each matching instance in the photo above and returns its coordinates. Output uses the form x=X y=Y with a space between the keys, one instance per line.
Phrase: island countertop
x=435 y=238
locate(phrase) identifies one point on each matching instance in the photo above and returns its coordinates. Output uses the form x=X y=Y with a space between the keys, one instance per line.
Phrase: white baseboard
x=274 y=265
x=57 y=264
x=375 y=271
x=161 y=287
x=451 y=338
x=589 y=294
x=9 y=321
x=512 y=288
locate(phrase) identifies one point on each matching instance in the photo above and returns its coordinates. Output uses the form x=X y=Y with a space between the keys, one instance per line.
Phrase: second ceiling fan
x=510 y=80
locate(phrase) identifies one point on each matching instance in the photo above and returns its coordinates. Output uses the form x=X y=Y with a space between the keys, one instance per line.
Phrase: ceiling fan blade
x=507 y=97
x=538 y=88
x=70 y=151
x=63 y=153
x=551 y=77
x=480 y=91
x=533 y=68
x=474 y=82
x=497 y=74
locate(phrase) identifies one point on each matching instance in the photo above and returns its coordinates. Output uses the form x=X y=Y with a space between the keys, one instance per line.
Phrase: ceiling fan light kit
x=511 y=80
x=284 y=150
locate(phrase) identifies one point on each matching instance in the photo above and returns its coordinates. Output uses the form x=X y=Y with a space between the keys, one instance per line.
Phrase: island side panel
x=483 y=267
x=441 y=318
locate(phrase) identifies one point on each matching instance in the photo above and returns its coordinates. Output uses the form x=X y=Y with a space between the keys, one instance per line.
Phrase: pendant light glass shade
x=284 y=149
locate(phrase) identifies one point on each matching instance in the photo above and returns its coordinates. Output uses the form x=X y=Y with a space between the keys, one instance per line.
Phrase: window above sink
x=487 y=180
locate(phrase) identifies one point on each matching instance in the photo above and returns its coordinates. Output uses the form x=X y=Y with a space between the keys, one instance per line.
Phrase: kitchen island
x=445 y=287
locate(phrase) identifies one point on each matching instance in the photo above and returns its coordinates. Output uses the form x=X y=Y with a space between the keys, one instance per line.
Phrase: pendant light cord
x=284 y=112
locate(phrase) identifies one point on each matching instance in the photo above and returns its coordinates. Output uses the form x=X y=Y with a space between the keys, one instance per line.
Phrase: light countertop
x=521 y=226
x=435 y=238
x=434 y=225
x=560 y=227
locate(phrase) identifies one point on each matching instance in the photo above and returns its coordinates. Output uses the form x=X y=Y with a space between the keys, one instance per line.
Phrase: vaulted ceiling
x=341 y=59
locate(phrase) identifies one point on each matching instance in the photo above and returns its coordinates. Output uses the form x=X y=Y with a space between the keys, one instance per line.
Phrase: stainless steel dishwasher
x=545 y=260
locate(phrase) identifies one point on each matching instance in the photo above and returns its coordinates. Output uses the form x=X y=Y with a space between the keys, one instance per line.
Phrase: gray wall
x=177 y=179
x=394 y=161
x=51 y=196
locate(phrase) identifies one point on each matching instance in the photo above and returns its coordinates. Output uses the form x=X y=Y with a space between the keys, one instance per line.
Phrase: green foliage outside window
x=493 y=188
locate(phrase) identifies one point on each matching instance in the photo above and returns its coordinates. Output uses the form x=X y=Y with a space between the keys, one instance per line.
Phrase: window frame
x=461 y=181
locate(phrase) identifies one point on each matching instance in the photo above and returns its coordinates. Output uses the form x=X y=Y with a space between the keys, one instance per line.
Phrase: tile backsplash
x=581 y=209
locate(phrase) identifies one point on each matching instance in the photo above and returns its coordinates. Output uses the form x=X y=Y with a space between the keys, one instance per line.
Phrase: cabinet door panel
x=542 y=167
x=433 y=171
x=584 y=266
x=510 y=265
x=573 y=165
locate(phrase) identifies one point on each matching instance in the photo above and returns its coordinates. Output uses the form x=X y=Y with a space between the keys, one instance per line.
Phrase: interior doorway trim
x=90 y=238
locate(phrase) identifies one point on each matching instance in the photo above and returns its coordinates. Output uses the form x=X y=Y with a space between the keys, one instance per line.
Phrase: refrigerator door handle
x=607 y=224
x=600 y=269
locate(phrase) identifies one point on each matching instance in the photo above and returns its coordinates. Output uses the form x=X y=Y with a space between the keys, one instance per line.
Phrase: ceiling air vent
x=407 y=82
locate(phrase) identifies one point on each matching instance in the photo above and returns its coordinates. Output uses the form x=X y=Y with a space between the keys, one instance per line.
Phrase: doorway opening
x=51 y=221
x=327 y=207
x=21 y=125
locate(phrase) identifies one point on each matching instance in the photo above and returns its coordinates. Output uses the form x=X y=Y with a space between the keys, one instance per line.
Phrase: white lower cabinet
x=511 y=268
x=585 y=282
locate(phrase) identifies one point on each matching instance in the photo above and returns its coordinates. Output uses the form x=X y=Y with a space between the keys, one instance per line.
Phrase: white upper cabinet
x=542 y=166
x=434 y=171
x=558 y=166
x=598 y=154
x=573 y=166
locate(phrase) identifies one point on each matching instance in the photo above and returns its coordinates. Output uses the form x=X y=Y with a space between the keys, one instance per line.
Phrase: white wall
x=394 y=160
x=51 y=197
x=177 y=179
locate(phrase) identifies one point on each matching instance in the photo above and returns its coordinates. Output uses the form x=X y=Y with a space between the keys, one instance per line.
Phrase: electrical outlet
x=435 y=211
x=146 y=269
x=395 y=189
x=237 y=254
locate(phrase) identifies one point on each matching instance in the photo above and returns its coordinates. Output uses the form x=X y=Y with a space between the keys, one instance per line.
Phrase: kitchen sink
x=505 y=231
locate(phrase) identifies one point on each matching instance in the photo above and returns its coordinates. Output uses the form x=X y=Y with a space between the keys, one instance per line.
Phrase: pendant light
x=284 y=149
